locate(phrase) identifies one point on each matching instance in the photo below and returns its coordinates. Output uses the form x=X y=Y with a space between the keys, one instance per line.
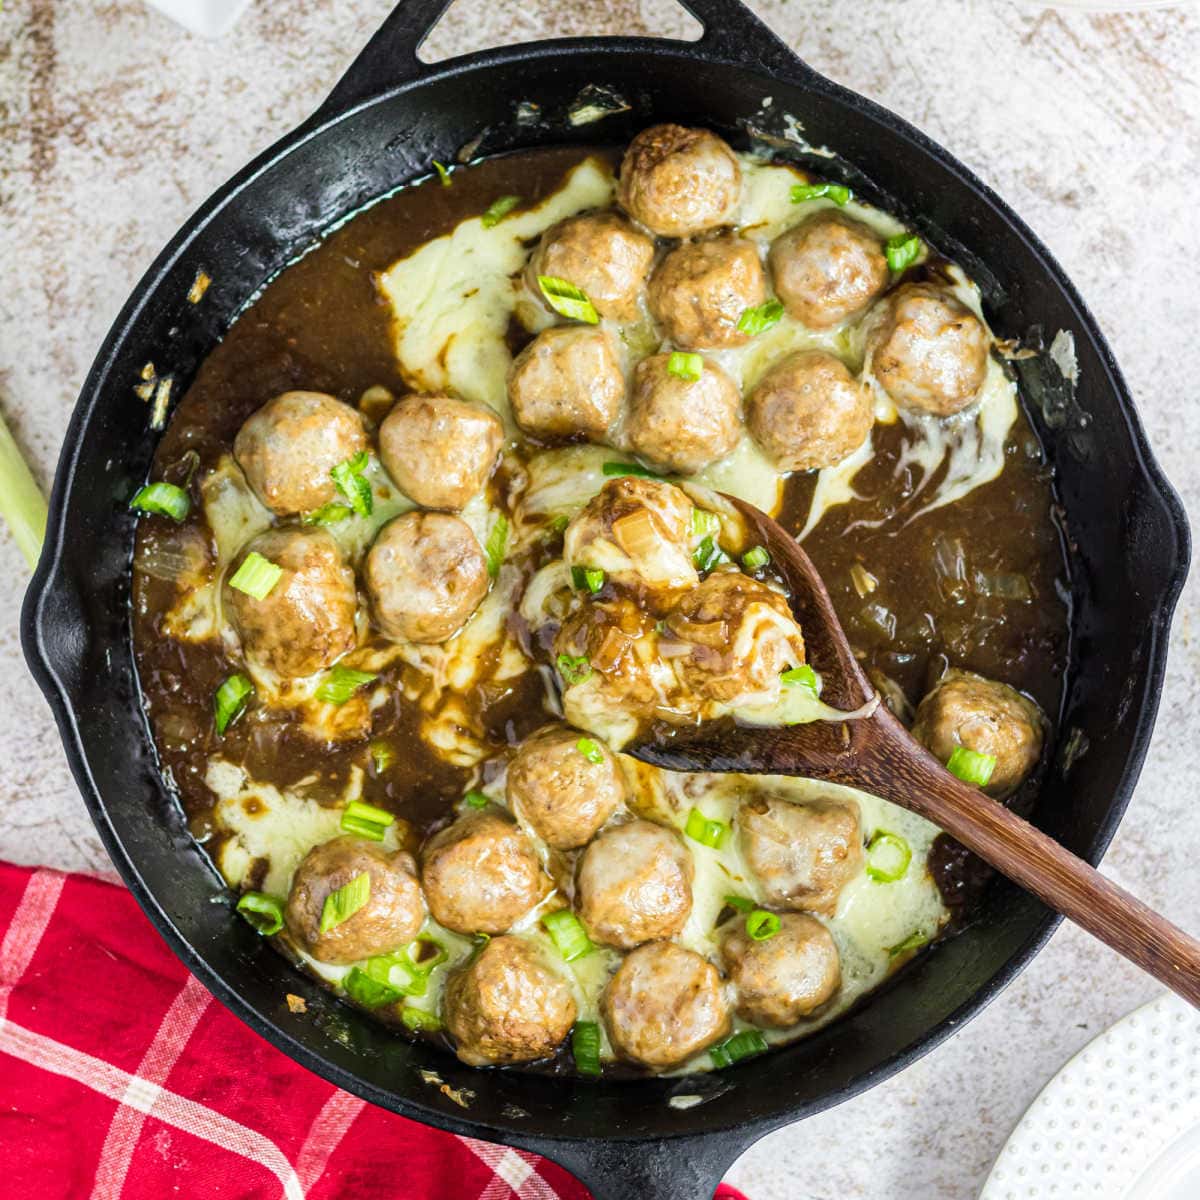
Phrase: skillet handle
x=731 y=33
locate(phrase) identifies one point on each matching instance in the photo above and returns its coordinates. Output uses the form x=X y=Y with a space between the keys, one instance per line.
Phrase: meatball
x=391 y=917
x=679 y=182
x=440 y=451
x=701 y=289
x=664 y=1005
x=305 y=623
x=560 y=791
x=987 y=717
x=288 y=448
x=567 y=383
x=786 y=977
x=929 y=352
x=802 y=854
x=682 y=425
x=637 y=532
x=602 y=255
x=635 y=885
x=426 y=575
x=481 y=874
x=507 y=1005
x=827 y=269
x=808 y=411
x=742 y=637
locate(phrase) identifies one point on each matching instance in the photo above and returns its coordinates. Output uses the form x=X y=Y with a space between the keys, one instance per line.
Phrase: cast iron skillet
x=383 y=124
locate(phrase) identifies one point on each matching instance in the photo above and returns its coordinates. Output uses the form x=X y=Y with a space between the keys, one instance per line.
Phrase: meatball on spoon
x=878 y=755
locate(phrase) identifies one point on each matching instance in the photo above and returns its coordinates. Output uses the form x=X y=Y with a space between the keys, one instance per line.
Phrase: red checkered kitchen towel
x=122 y=1079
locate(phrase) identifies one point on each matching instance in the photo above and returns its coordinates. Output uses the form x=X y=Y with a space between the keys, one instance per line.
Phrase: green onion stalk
x=21 y=501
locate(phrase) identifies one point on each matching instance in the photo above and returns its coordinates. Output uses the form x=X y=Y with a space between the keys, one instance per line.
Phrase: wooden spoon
x=878 y=755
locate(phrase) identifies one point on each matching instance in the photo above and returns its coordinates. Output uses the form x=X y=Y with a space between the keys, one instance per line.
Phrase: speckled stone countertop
x=114 y=125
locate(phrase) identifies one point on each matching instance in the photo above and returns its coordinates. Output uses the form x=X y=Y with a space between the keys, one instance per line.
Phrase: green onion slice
x=398 y=975
x=328 y=514
x=264 y=912
x=704 y=522
x=567 y=300
x=382 y=756
x=366 y=820
x=341 y=683
x=499 y=209
x=164 y=499
x=230 y=700
x=903 y=250
x=755 y=557
x=257 y=576
x=574 y=668
x=585 y=1047
x=628 y=468
x=685 y=366
x=443 y=173
x=914 y=941
x=704 y=830
x=971 y=766
x=760 y=318
x=418 y=1020
x=432 y=953
x=476 y=799
x=497 y=539
x=837 y=192
x=560 y=523
x=589 y=578
x=761 y=925
x=348 y=476
x=888 y=856
x=741 y=903
x=367 y=991
x=803 y=676
x=742 y=1045
x=342 y=904
x=708 y=554
x=568 y=934
x=590 y=751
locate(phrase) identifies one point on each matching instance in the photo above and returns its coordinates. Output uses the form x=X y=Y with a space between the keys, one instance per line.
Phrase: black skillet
x=384 y=123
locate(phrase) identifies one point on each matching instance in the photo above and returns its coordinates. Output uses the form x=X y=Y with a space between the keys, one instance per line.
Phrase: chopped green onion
x=476 y=799
x=590 y=751
x=705 y=522
x=165 y=499
x=741 y=903
x=803 y=676
x=903 y=250
x=761 y=925
x=397 y=972
x=627 y=468
x=328 y=514
x=499 y=210
x=685 y=366
x=591 y=578
x=742 y=1045
x=708 y=554
x=367 y=991
x=348 y=476
x=837 y=192
x=971 y=766
x=366 y=820
x=418 y=1020
x=574 y=668
x=888 y=856
x=585 y=1047
x=560 y=523
x=443 y=172
x=914 y=941
x=704 y=830
x=22 y=504
x=264 y=912
x=567 y=300
x=382 y=756
x=342 y=904
x=425 y=964
x=760 y=318
x=568 y=934
x=755 y=557
x=257 y=576
x=230 y=700
x=341 y=683
x=497 y=539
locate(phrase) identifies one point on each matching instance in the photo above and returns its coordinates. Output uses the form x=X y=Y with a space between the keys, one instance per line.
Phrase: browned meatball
x=426 y=575
x=440 y=451
x=391 y=917
x=828 y=269
x=635 y=885
x=481 y=874
x=602 y=255
x=637 y=532
x=802 y=854
x=664 y=1005
x=678 y=181
x=288 y=448
x=700 y=291
x=567 y=383
x=785 y=977
x=306 y=622
x=558 y=788
x=507 y=1005
x=985 y=716
x=929 y=352
x=682 y=425
x=808 y=411
x=742 y=635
